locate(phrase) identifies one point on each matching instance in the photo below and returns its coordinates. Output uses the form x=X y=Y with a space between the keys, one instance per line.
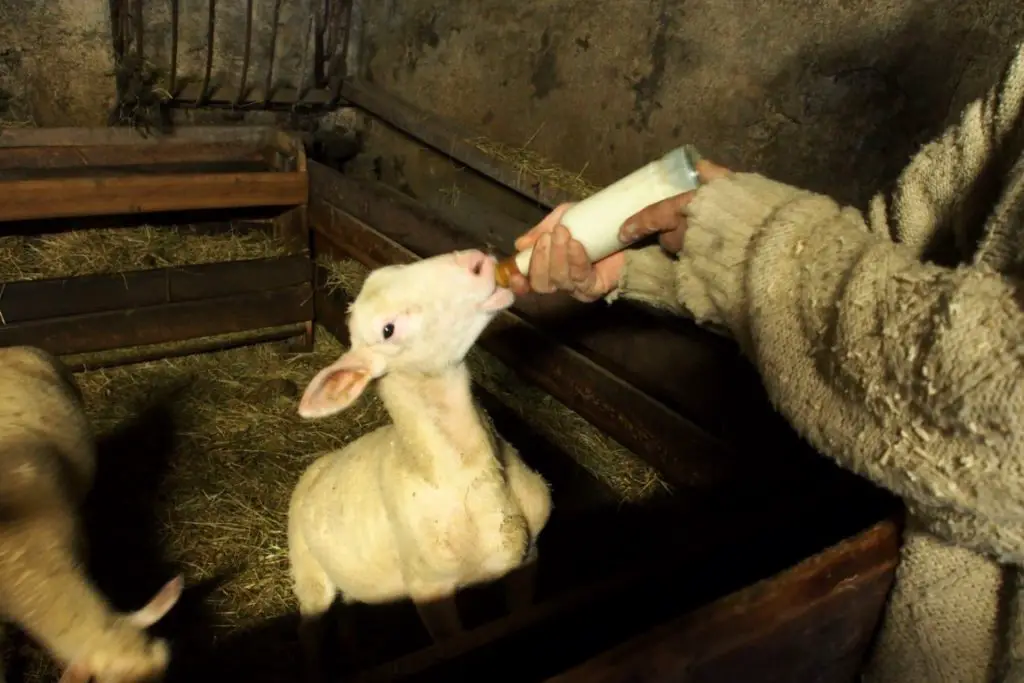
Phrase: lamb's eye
x=389 y=330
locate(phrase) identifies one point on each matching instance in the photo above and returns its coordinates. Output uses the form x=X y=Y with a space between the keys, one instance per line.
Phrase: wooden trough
x=750 y=570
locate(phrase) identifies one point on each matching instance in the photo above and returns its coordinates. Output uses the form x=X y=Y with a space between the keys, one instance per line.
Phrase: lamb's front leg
x=315 y=594
x=436 y=607
x=439 y=614
x=534 y=497
x=521 y=583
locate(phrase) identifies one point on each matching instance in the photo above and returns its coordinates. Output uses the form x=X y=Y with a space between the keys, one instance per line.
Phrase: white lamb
x=434 y=501
x=47 y=463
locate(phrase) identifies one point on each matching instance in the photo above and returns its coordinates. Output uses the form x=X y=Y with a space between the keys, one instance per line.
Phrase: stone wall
x=56 y=62
x=831 y=94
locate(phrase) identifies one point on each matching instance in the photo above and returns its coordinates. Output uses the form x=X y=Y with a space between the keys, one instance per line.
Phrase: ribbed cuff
x=722 y=220
x=648 y=276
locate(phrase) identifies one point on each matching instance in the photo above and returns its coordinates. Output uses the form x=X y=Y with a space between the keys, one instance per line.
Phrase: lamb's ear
x=160 y=604
x=75 y=673
x=337 y=386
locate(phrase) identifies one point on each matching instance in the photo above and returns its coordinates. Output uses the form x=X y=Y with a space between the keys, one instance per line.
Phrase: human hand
x=667 y=218
x=559 y=262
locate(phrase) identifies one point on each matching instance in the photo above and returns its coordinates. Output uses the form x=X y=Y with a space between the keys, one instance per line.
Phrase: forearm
x=906 y=372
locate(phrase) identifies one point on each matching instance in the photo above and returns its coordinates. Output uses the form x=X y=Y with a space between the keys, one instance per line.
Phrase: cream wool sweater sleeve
x=906 y=372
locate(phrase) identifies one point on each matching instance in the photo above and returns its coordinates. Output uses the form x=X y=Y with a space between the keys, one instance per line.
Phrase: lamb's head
x=418 y=318
x=124 y=652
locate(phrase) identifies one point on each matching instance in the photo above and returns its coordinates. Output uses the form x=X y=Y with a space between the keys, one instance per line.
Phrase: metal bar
x=126 y=27
x=117 y=35
x=268 y=81
x=307 y=51
x=139 y=28
x=248 y=53
x=446 y=138
x=173 y=76
x=339 y=68
x=332 y=18
x=318 y=8
x=354 y=40
x=210 y=24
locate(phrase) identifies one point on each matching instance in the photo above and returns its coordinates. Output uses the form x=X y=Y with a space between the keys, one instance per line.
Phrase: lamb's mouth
x=499 y=300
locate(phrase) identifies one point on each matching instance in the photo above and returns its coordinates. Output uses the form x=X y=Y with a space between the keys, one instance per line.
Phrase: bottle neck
x=504 y=271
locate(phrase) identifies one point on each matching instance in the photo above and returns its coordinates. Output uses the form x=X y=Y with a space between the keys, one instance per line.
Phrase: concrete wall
x=56 y=56
x=55 y=62
x=831 y=94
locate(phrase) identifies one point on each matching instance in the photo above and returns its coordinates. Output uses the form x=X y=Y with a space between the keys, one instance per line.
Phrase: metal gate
x=294 y=54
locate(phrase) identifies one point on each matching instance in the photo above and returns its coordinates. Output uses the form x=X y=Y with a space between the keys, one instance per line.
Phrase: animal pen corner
x=650 y=509
x=211 y=268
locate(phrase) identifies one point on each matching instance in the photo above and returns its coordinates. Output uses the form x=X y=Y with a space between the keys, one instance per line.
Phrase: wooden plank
x=153 y=352
x=633 y=418
x=39 y=199
x=121 y=170
x=122 y=136
x=164 y=323
x=208 y=221
x=446 y=138
x=125 y=155
x=30 y=300
x=811 y=623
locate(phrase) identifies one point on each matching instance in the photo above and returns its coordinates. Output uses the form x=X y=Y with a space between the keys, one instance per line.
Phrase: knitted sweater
x=905 y=371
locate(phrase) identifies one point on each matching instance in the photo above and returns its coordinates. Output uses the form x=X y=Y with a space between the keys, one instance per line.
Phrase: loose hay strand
x=526 y=160
x=631 y=478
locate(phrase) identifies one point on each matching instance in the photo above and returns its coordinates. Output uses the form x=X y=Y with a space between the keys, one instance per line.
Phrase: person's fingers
x=558 y=270
x=518 y=284
x=709 y=170
x=604 y=277
x=580 y=269
x=547 y=224
x=540 y=265
x=658 y=217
